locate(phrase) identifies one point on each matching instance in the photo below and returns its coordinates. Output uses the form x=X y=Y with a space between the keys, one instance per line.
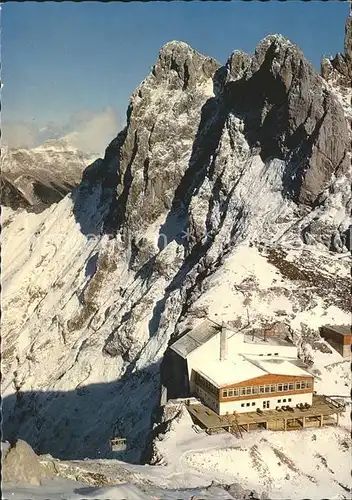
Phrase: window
x=243 y=391
x=261 y=354
x=248 y=404
x=230 y=393
x=308 y=385
x=279 y=387
x=235 y=392
x=285 y=387
x=298 y=385
x=273 y=388
x=284 y=400
x=267 y=388
x=279 y=400
x=289 y=400
x=269 y=354
x=255 y=390
x=290 y=386
x=253 y=404
x=242 y=405
x=276 y=354
x=303 y=385
x=224 y=393
x=249 y=390
x=261 y=389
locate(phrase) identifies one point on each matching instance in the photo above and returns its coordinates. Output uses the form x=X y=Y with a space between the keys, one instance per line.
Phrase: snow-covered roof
x=341 y=329
x=195 y=338
x=269 y=341
x=276 y=366
x=241 y=368
x=221 y=373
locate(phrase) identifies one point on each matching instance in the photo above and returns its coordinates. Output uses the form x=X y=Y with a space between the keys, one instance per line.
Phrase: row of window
x=265 y=389
x=269 y=354
x=254 y=403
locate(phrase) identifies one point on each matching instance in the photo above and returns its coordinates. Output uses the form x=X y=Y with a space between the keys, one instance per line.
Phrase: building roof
x=341 y=329
x=193 y=339
x=227 y=372
x=269 y=341
x=240 y=369
x=276 y=366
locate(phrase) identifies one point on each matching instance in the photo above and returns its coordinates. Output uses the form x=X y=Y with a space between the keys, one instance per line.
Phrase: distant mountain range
x=34 y=178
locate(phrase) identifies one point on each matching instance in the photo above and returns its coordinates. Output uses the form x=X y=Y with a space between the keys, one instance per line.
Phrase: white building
x=233 y=372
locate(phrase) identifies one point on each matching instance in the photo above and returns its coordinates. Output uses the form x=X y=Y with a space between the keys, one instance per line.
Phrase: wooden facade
x=266 y=381
x=257 y=388
x=339 y=337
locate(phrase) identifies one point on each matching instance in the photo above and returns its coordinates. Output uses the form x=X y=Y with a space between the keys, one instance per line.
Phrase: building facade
x=266 y=393
x=206 y=341
x=231 y=372
x=339 y=337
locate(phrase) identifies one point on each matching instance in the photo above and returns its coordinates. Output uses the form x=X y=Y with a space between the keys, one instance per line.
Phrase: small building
x=231 y=372
x=339 y=337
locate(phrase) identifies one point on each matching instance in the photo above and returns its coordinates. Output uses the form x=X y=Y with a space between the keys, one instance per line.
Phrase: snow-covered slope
x=220 y=197
x=274 y=464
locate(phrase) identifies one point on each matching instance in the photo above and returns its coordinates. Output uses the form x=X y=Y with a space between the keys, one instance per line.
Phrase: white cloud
x=94 y=134
x=88 y=131
x=18 y=135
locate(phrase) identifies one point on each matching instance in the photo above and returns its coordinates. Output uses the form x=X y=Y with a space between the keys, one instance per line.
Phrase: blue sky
x=59 y=58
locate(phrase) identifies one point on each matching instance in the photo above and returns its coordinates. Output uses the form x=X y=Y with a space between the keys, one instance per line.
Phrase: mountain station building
x=233 y=372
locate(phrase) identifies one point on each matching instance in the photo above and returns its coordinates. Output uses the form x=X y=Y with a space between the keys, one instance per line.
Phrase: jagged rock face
x=340 y=67
x=33 y=179
x=163 y=118
x=288 y=114
x=180 y=112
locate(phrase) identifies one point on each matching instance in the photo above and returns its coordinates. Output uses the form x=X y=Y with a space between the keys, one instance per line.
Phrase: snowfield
x=275 y=464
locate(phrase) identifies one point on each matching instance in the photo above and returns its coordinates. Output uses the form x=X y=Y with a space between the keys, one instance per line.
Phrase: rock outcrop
x=21 y=465
x=339 y=67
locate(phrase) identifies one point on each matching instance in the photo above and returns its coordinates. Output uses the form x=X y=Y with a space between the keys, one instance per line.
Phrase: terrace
x=324 y=411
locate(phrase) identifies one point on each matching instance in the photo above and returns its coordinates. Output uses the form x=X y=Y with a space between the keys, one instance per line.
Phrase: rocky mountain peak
x=182 y=66
x=339 y=68
x=182 y=110
x=289 y=114
x=237 y=64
